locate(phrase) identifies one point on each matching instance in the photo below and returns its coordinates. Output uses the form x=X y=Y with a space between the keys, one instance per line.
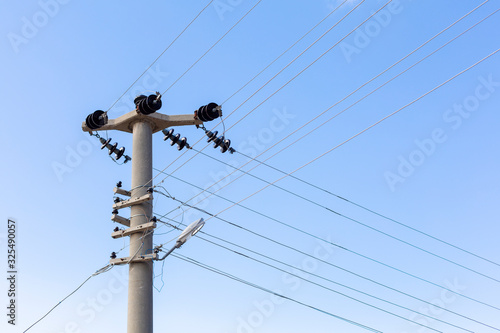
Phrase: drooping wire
x=217 y=271
x=336 y=245
x=163 y=265
x=161 y=54
x=161 y=278
x=99 y=271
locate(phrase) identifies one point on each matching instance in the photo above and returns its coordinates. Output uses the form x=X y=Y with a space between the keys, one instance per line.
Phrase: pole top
x=157 y=120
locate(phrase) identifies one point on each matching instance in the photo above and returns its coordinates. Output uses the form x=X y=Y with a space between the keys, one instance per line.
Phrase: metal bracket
x=126 y=260
x=118 y=190
x=120 y=219
x=133 y=201
x=133 y=230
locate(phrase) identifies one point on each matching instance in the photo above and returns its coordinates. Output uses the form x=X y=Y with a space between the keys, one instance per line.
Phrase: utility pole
x=142 y=123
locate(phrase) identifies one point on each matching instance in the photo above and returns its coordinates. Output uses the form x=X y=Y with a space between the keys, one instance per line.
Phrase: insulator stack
x=112 y=148
x=96 y=120
x=209 y=112
x=219 y=141
x=175 y=139
x=148 y=104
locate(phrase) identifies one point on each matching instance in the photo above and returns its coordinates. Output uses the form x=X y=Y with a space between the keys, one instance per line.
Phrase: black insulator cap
x=113 y=148
x=119 y=184
x=120 y=152
x=153 y=219
x=175 y=139
x=181 y=143
x=218 y=141
x=225 y=145
x=168 y=134
x=105 y=143
x=150 y=190
x=116 y=229
x=208 y=112
x=117 y=200
x=115 y=211
x=96 y=120
x=147 y=105
x=212 y=136
x=113 y=255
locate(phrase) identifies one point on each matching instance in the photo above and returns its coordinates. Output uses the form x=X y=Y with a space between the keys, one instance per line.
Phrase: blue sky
x=432 y=166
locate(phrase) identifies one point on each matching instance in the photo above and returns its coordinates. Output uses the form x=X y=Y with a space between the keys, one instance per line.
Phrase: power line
x=343 y=216
x=351 y=138
x=284 y=52
x=161 y=54
x=331 y=281
x=331 y=106
x=336 y=245
x=217 y=271
x=281 y=86
x=326 y=262
x=323 y=278
x=227 y=32
x=297 y=57
x=351 y=202
x=383 y=72
x=100 y=271
x=347 y=199
x=217 y=42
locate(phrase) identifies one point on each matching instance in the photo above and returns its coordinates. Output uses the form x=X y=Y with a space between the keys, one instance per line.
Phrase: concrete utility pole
x=140 y=290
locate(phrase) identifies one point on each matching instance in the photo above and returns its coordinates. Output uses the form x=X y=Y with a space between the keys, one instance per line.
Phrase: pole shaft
x=140 y=289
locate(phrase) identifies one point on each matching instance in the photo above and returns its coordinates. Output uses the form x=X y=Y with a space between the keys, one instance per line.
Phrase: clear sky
x=433 y=166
